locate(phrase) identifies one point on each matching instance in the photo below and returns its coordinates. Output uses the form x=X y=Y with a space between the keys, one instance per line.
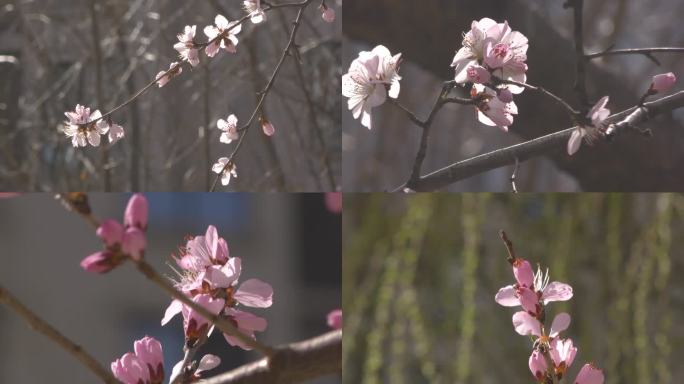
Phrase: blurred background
x=289 y=241
x=420 y=273
x=48 y=65
x=381 y=159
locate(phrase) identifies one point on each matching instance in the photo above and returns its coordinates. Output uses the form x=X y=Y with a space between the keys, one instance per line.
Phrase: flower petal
x=525 y=324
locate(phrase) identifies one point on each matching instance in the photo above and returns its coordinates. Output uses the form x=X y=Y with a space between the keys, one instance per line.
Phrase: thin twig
x=509 y=247
x=529 y=149
x=513 y=176
x=632 y=51
x=292 y=363
x=97 y=54
x=286 y=52
x=571 y=111
x=41 y=326
x=580 y=80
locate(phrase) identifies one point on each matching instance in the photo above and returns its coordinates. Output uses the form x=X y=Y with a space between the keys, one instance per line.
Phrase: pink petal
x=134 y=243
x=507 y=297
x=589 y=375
x=529 y=300
x=208 y=362
x=335 y=319
x=173 y=309
x=136 y=212
x=110 y=231
x=525 y=324
x=556 y=291
x=523 y=273
x=560 y=323
x=255 y=293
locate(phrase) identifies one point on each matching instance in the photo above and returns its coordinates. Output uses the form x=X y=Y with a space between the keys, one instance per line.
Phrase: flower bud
x=134 y=243
x=589 y=375
x=111 y=232
x=136 y=212
x=335 y=319
x=328 y=14
x=268 y=128
x=663 y=82
x=99 y=262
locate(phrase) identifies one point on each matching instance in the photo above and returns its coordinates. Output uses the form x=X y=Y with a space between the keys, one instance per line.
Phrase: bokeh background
x=47 y=66
x=428 y=33
x=420 y=273
x=289 y=241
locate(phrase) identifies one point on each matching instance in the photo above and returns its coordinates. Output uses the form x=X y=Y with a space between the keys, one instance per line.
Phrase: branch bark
x=41 y=326
x=291 y=363
x=539 y=146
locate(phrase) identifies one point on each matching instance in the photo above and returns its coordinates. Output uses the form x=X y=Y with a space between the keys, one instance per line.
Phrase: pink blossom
x=134 y=243
x=84 y=127
x=267 y=127
x=136 y=212
x=253 y=8
x=328 y=14
x=194 y=324
x=529 y=300
x=663 y=82
x=223 y=34
x=589 y=375
x=116 y=133
x=209 y=271
x=597 y=115
x=562 y=353
x=186 y=47
x=335 y=319
x=247 y=324
x=538 y=365
x=229 y=128
x=492 y=110
x=370 y=79
x=526 y=324
x=225 y=169
x=478 y=74
x=145 y=366
x=333 y=201
x=495 y=45
x=509 y=296
x=100 y=262
x=164 y=77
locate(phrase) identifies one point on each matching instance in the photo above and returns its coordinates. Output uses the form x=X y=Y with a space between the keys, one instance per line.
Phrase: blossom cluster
x=84 y=127
x=121 y=242
x=209 y=276
x=551 y=355
x=146 y=364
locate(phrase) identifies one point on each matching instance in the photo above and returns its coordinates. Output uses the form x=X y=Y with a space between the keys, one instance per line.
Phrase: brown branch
x=291 y=363
x=580 y=80
x=41 y=326
x=533 y=148
x=79 y=203
x=286 y=52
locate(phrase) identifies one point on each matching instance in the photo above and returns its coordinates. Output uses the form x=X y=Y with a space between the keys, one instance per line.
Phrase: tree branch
x=536 y=147
x=291 y=363
x=41 y=326
x=631 y=51
x=267 y=88
x=580 y=80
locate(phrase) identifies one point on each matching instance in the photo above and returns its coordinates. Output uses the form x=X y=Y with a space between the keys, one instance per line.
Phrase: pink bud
x=589 y=375
x=136 y=212
x=134 y=243
x=111 y=232
x=537 y=365
x=268 y=128
x=478 y=74
x=149 y=351
x=99 y=262
x=333 y=201
x=663 y=82
x=523 y=273
x=335 y=319
x=328 y=14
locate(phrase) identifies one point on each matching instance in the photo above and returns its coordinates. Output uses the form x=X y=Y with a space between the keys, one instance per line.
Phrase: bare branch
x=580 y=80
x=41 y=326
x=648 y=52
x=292 y=363
x=536 y=147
